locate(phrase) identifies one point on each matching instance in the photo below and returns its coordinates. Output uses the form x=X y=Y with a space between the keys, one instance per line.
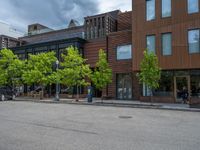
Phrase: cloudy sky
x=54 y=13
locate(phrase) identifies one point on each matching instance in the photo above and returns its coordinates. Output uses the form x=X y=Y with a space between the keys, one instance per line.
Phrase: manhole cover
x=125 y=117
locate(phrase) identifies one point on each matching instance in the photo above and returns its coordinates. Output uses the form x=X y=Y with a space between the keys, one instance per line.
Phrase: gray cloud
x=53 y=13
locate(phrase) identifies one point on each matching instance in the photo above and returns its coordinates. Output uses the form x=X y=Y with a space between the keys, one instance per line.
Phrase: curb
x=143 y=106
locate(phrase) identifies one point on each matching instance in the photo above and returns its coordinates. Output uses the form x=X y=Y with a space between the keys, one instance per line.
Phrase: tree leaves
x=39 y=68
x=150 y=71
x=102 y=74
x=11 y=68
x=74 y=69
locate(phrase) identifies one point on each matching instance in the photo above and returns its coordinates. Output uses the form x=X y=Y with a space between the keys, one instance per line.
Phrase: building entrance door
x=181 y=82
x=124 y=86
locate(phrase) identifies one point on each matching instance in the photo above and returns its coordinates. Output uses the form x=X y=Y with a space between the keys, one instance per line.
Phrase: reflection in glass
x=166 y=83
x=150 y=10
x=167 y=44
x=195 y=86
x=166 y=8
x=124 y=86
x=194 y=41
x=124 y=52
x=151 y=43
x=193 y=6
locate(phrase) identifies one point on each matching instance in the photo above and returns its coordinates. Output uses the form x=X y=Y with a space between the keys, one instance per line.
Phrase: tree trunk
x=13 y=90
x=101 y=96
x=151 y=96
x=42 y=94
x=77 y=94
x=50 y=91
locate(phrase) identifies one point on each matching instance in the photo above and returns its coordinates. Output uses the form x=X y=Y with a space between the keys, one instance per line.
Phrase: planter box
x=157 y=99
x=194 y=102
x=65 y=96
x=72 y=96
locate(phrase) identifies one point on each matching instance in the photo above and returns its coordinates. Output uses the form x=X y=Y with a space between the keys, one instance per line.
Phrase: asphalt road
x=37 y=126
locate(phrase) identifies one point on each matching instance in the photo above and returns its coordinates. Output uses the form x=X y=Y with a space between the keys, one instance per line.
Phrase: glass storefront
x=195 y=83
x=172 y=84
x=166 y=83
x=181 y=83
x=124 y=86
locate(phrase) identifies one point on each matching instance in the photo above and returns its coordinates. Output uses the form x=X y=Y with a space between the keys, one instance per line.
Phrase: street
x=38 y=126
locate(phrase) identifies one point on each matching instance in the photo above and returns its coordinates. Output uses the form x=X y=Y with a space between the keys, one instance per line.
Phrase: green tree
x=11 y=68
x=102 y=74
x=150 y=71
x=74 y=70
x=39 y=69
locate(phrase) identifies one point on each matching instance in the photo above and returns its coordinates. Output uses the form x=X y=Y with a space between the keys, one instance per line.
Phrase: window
x=166 y=84
x=146 y=90
x=22 y=56
x=150 y=10
x=35 y=27
x=166 y=8
x=151 y=40
x=124 y=86
x=167 y=44
x=193 y=6
x=194 y=41
x=195 y=83
x=124 y=52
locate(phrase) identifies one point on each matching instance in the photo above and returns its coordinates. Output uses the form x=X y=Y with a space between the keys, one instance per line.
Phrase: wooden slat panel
x=124 y=21
x=178 y=25
x=118 y=66
x=91 y=50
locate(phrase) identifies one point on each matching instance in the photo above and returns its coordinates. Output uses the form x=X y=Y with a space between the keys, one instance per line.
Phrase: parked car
x=6 y=93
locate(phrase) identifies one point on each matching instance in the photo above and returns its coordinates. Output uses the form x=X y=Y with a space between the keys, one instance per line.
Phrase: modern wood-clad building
x=7 y=41
x=169 y=28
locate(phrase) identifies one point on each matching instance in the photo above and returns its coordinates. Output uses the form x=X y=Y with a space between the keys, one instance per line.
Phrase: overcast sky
x=55 y=13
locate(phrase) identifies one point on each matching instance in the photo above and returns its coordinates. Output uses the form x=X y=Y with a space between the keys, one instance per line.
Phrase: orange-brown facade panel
x=178 y=25
x=181 y=64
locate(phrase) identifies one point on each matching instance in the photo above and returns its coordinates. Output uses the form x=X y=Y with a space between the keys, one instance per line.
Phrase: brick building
x=169 y=28
x=6 y=41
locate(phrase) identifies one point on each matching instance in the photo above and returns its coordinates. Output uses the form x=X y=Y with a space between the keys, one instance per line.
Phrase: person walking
x=185 y=95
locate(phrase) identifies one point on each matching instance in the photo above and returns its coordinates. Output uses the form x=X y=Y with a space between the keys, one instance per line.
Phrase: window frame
x=162 y=43
x=147 y=44
x=147 y=11
x=116 y=84
x=163 y=17
x=193 y=12
x=116 y=52
x=189 y=43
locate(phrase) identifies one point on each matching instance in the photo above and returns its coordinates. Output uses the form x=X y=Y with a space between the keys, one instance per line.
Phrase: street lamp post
x=57 y=84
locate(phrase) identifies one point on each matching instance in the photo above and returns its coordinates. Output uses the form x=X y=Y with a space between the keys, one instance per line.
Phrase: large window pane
x=151 y=40
x=124 y=86
x=166 y=8
x=166 y=85
x=193 y=39
x=146 y=90
x=167 y=44
x=21 y=56
x=195 y=83
x=124 y=52
x=150 y=10
x=193 y=6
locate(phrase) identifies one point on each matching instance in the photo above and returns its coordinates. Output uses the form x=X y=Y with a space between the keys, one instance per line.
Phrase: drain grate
x=125 y=117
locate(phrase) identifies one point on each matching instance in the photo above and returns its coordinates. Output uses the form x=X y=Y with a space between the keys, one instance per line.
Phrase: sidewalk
x=115 y=103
